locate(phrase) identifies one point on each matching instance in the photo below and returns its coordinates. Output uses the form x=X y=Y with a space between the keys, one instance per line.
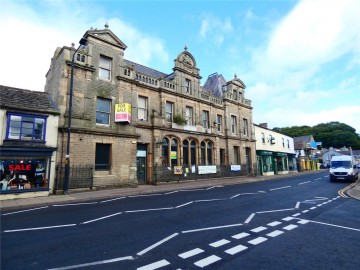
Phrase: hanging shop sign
x=123 y=112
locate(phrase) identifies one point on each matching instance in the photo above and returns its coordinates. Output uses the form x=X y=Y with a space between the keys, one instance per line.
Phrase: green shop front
x=271 y=163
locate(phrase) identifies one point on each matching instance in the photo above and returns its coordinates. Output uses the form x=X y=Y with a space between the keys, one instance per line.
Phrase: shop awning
x=264 y=153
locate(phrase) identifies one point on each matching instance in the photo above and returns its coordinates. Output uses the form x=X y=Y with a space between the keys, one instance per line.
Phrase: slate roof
x=145 y=70
x=214 y=84
x=301 y=140
x=23 y=100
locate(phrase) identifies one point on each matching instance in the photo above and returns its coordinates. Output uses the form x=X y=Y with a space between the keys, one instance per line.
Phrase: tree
x=332 y=134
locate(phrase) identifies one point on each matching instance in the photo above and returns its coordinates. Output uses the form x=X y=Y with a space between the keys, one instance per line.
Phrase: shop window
x=165 y=152
x=105 y=68
x=170 y=152
x=26 y=127
x=174 y=152
x=23 y=174
x=102 y=157
x=103 y=111
x=142 y=108
x=193 y=152
x=169 y=111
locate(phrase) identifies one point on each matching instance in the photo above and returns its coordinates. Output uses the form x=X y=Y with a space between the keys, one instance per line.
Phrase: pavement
x=76 y=196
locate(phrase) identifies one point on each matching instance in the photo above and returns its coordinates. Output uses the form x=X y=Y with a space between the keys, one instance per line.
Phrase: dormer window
x=26 y=127
x=105 y=68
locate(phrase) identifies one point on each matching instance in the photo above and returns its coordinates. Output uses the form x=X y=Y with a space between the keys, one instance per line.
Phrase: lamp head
x=83 y=41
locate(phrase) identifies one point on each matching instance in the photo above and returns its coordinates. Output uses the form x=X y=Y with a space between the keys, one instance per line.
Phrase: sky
x=299 y=60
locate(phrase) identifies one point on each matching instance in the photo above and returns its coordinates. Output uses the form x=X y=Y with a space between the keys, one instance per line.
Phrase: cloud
x=32 y=40
x=214 y=28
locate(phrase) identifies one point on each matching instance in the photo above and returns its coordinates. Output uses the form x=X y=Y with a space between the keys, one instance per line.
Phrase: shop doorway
x=141 y=163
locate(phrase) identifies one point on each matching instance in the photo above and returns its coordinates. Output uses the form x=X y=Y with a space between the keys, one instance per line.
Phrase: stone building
x=129 y=120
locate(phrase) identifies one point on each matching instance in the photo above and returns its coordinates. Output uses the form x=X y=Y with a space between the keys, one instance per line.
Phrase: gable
x=107 y=36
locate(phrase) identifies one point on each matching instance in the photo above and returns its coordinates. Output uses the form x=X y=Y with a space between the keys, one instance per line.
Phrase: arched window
x=186 y=153
x=193 y=152
x=174 y=152
x=203 y=153
x=165 y=152
x=209 y=153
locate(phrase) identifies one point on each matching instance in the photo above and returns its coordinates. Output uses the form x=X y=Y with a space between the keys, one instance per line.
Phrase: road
x=298 y=222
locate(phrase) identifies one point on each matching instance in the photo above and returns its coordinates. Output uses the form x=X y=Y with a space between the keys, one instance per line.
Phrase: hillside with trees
x=332 y=134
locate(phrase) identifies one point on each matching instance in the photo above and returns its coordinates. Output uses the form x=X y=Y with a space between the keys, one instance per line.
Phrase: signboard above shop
x=123 y=112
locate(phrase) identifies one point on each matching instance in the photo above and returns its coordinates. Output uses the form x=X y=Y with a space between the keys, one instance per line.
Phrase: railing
x=166 y=174
x=81 y=176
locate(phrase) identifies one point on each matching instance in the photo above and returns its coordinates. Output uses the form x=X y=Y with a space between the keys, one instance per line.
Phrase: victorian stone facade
x=128 y=119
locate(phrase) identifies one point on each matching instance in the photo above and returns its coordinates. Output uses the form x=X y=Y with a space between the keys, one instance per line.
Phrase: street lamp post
x=82 y=42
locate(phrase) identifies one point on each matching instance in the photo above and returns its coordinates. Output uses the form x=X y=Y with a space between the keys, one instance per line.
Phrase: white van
x=343 y=168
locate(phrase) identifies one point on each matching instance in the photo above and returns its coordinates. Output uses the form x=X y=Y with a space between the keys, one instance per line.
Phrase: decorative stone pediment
x=107 y=36
x=236 y=81
x=186 y=62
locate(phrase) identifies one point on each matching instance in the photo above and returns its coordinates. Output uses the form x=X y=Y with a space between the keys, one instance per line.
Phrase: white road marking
x=259 y=229
x=240 y=235
x=113 y=200
x=257 y=241
x=154 y=265
x=97 y=219
x=275 y=223
x=321 y=198
x=211 y=188
x=145 y=195
x=279 y=188
x=242 y=194
x=210 y=200
x=189 y=190
x=261 y=191
x=312 y=208
x=73 y=204
x=148 y=210
x=319 y=205
x=156 y=244
x=297 y=205
x=93 y=263
x=207 y=261
x=287 y=218
x=236 y=249
x=184 y=204
x=315 y=200
x=272 y=211
x=302 y=183
x=219 y=243
x=290 y=227
x=22 y=211
x=212 y=228
x=333 y=225
x=275 y=233
x=171 y=192
x=191 y=253
x=317 y=179
x=305 y=211
x=303 y=221
x=296 y=215
x=249 y=218
x=40 y=228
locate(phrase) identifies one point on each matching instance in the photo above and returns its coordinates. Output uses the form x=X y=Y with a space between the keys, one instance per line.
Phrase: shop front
x=280 y=163
x=265 y=162
x=25 y=171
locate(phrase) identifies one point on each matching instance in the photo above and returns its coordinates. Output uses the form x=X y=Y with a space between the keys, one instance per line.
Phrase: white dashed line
x=207 y=261
x=275 y=223
x=219 y=243
x=288 y=218
x=290 y=227
x=240 y=235
x=149 y=210
x=183 y=204
x=191 y=253
x=154 y=265
x=257 y=241
x=279 y=188
x=25 y=210
x=40 y=228
x=297 y=214
x=304 y=182
x=212 y=228
x=236 y=249
x=275 y=233
x=312 y=208
x=249 y=218
x=259 y=229
x=303 y=221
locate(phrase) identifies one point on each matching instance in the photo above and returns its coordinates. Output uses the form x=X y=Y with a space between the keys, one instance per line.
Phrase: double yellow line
x=342 y=193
